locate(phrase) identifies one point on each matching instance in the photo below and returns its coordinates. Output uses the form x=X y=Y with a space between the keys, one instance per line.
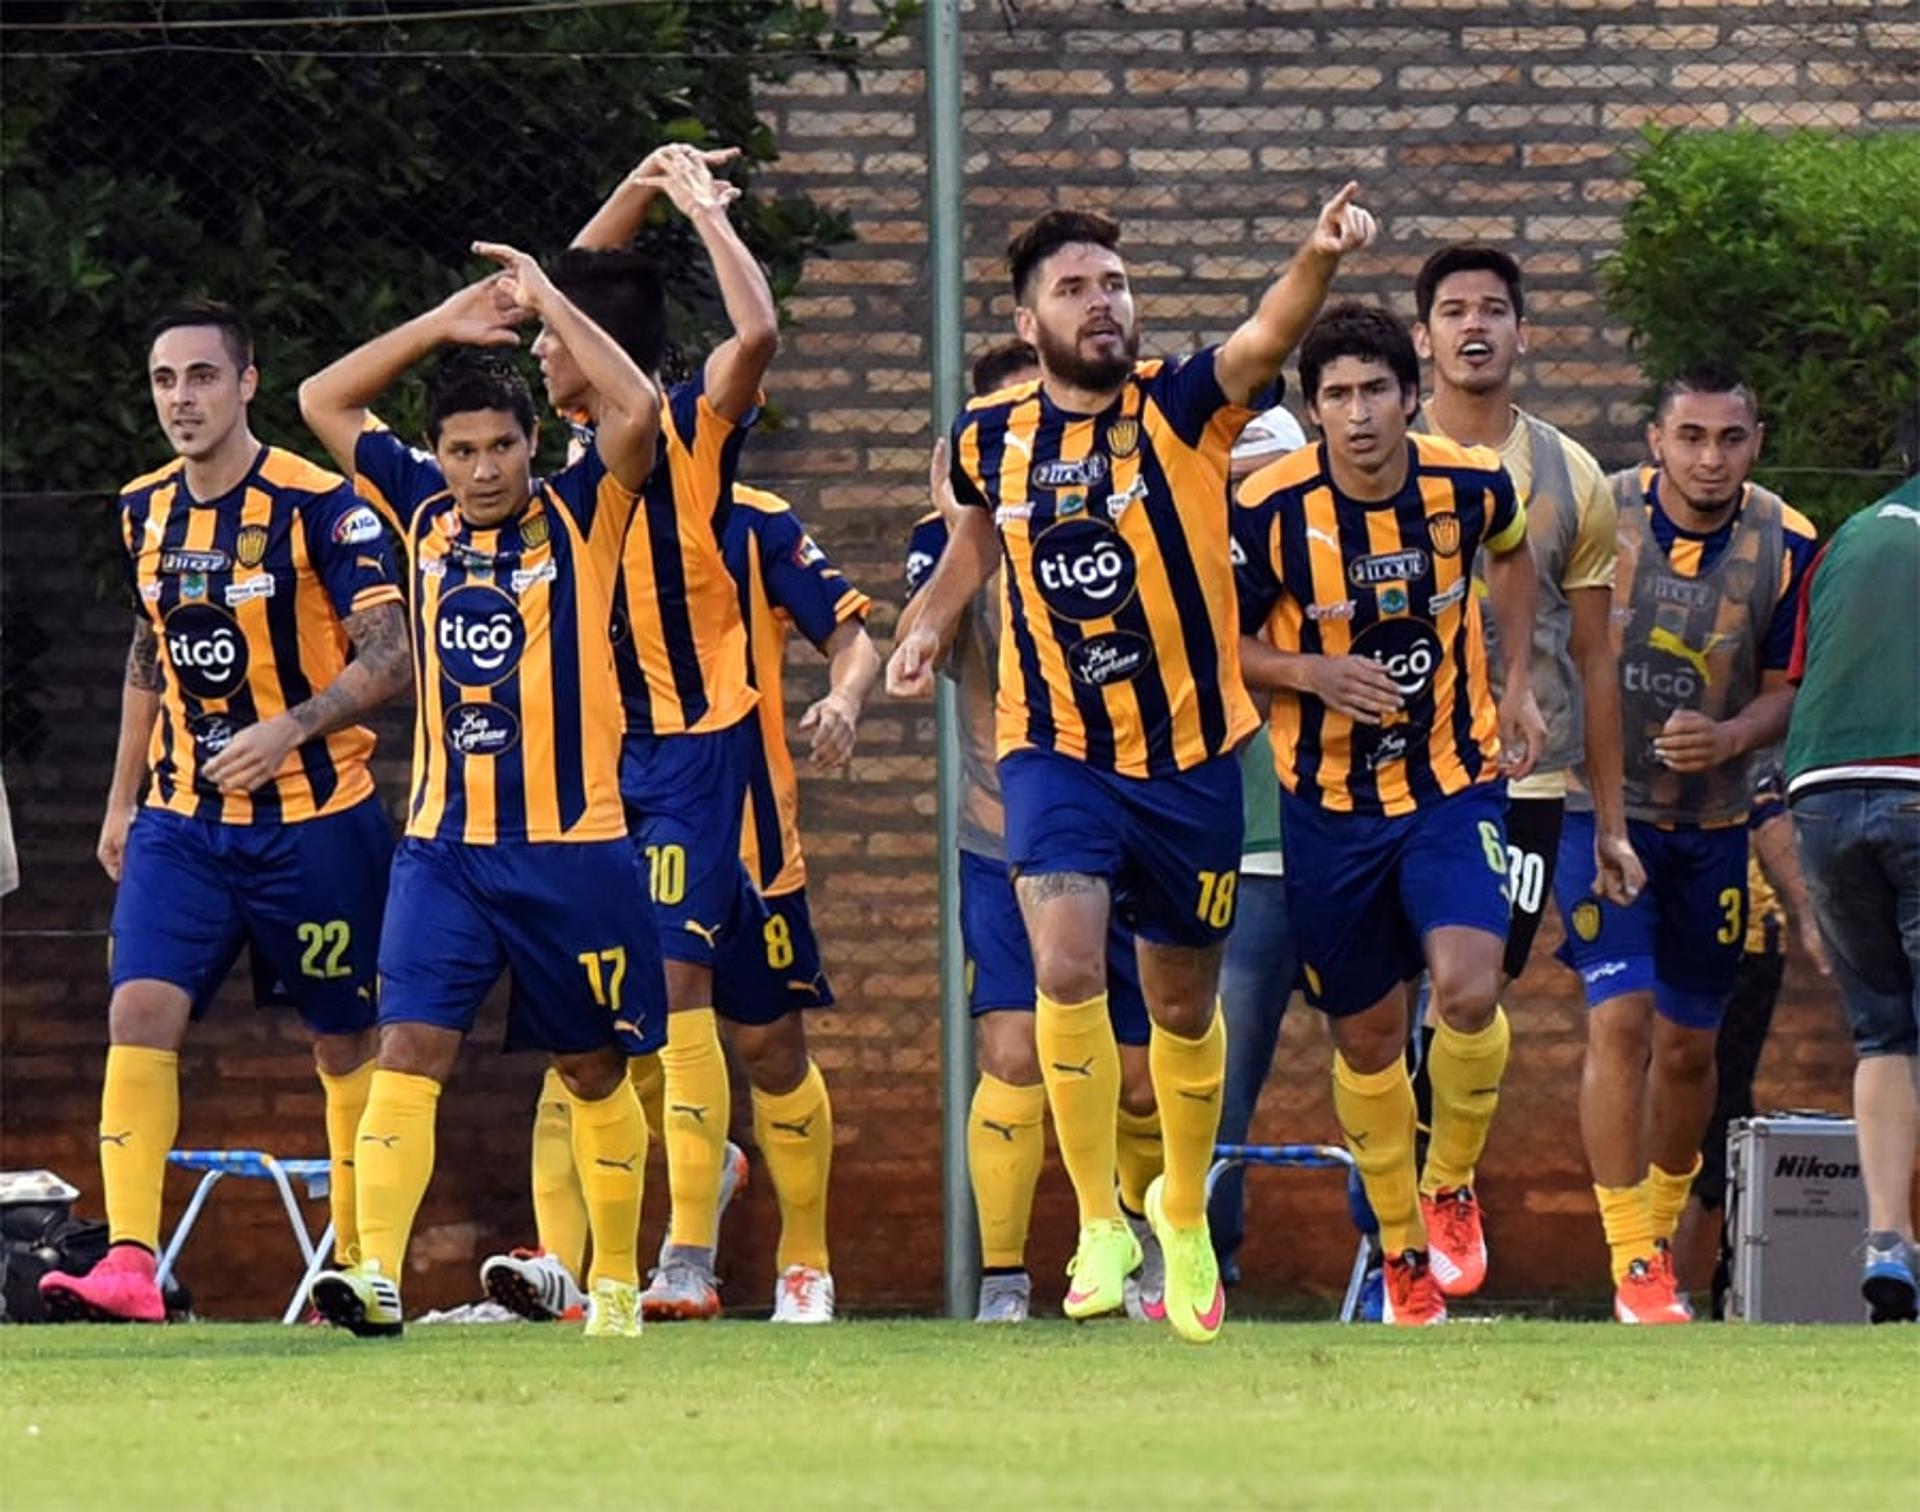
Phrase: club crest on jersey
x=1083 y=569
x=1123 y=439
x=1386 y=566
x=1089 y=471
x=355 y=526
x=1586 y=920
x=1444 y=531
x=250 y=545
x=481 y=729
x=535 y=531
x=479 y=635
x=183 y=562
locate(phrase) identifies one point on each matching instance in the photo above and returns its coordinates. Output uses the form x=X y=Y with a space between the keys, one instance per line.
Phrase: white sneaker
x=733 y=1180
x=1145 y=1291
x=1005 y=1299
x=533 y=1284
x=803 y=1295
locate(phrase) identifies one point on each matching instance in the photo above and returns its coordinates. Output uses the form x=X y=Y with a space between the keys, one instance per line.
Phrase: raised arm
x=618 y=221
x=1251 y=357
x=139 y=708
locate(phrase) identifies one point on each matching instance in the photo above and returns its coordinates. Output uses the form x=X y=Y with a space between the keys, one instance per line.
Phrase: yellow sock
x=1140 y=1155
x=1667 y=1196
x=1005 y=1145
x=650 y=1086
x=559 y=1203
x=1465 y=1072
x=610 y=1152
x=394 y=1163
x=795 y=1132
x=346 y=1101
x=139 y=1117
x=1187 y=1075
x=1628 y=1222
x=1080 y=1063
x=1376 y=1113
x=699 y=1105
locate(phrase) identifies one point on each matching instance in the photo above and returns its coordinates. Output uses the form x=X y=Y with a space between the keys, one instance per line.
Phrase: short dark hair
x=1709 y=377
x=993 y=367
x=1466 y=257
x=1348 y=328
x=231 y=324
x=622 y=293
x=1054 y=230
x=470 y=379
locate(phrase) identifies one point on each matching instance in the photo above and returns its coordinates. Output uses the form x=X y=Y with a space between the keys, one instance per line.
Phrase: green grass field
x=923 y=1414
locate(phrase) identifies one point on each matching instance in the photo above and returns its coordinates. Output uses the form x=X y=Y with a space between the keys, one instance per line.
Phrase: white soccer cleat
x=803 y=1295
x=1005 y=1298
x=533 y=1284
x=1145 y=1291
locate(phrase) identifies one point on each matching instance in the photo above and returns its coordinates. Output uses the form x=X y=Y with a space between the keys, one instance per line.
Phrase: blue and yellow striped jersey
x=786 y=583
x=1333 y=576
x=1121 y=643
x=517 y=716
x=248 y=594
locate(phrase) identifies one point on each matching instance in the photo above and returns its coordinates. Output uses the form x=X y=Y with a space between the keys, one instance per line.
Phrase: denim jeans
x=1256 y=979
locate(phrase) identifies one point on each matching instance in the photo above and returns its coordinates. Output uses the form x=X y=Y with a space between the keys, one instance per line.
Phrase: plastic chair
x=316 y=1174
x=1299 y=1157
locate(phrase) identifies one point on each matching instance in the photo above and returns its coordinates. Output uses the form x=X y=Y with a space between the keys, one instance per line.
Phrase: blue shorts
x=1363 y=890
x=571 y=921
x=1000 y=959
x=686 y=799
x=306 y=896
x=760 y=976
x=1680 y=939
x=1169 y=846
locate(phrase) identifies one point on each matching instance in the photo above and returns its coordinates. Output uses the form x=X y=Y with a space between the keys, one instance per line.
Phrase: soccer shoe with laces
x=803 y=1294
x=1886 y=1279
x=1645 y=1294
x=120 y=1289
x=1411 y=1297
x=681 y=1288
x=1663 y=1263
x=359 y=1299
x=613 y=1312
x=1146 y=1289
x=1106 y=1255
x=533 y=1284
x=1006 y=1298
x=1456 y=1242
x=1194 y=1301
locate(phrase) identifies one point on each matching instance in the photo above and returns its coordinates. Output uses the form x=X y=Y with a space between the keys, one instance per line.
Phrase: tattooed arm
x=139 y=708
x=380 y=668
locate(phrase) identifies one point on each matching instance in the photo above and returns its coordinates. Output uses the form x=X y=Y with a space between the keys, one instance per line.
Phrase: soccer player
x=1703 y=614
x=1120 y=700
x=253 y=573
x=1472 y=328
x=1853 y=777
x=517 y=852
x=1358 y=557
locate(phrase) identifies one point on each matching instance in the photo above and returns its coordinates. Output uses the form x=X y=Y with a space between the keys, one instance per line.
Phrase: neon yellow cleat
x=359 y=1299
x=614 y=1310
x=1196 y=1302
x=1108 y=1253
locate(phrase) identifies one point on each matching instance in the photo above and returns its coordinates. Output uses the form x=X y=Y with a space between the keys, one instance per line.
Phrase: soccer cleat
x=1886 y=1280
x=1005 y=1298
x=1456 y=1242
x=1663 y=1263
x=533 y=1284
x=1145 y=1292
x=1106 y=1255
x=680 y=1289
x=1411 y=1297
x=1195 y=1302
x=733 y=1181
x=359 y=1299
x=1645 y=1294
x=803 y=1295
x=613 y=1312
x=1371 y=1305
x=119 y=1289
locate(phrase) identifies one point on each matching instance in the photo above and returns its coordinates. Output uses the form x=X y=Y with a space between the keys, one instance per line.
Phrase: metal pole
x=945 y=246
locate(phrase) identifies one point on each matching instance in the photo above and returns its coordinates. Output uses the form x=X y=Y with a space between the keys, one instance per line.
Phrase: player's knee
x=1368 y=1045
x=1683 y=1055
x=593 y=1074
x=152 y=1015
x=1619 y=1036
x=1070 y=970
x=775 y=1055
x=419 y=1050
x=1005 y=1047
x=689 y=985
x=339 y=1054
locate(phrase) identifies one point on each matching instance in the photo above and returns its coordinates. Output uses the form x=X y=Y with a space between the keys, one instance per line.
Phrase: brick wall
x=1212 y=130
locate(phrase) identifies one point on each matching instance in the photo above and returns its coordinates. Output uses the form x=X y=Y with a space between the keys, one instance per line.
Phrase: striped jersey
x=1330 y=575
x=517 y=716
x=248 y=595
x=787 y=583
x=1121 y=641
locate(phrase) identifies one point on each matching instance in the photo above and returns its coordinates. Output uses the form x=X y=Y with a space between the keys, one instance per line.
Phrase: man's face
x=199 y=392
x=567 y=386
x=1362 y=410
x=1473 y=335
x=488 y=461
x=1706 y=445
x=1079 y=316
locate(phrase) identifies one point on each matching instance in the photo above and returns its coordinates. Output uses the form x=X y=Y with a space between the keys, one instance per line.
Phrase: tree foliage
x=1796 y=258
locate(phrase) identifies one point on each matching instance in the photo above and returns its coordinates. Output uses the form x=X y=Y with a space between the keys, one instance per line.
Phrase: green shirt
x=1260 y=785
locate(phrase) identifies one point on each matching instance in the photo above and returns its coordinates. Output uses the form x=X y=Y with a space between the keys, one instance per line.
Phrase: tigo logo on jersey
x=355 y=526
x=206 y=650
x=1444 y=531
x=1083 y=569
x=1406 y=649
x=481 y=729
x=1113 y=657
x=1386 y=567
x=480 y=636
x=1089 y=472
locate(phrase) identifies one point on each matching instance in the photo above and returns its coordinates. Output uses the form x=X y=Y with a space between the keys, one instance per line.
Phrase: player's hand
x=1813 y=942
x=1618 y=875
x=1343 y=226
x=254 y=755
x=1523 y=732
x=1356 y=686
x=684 y=177
x=112 y=849
x=524 y=286
x=1692 y=742
x=481 y=314
x=652 y=168
x=833 y=723
x=910 y=668
x=940 y=485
